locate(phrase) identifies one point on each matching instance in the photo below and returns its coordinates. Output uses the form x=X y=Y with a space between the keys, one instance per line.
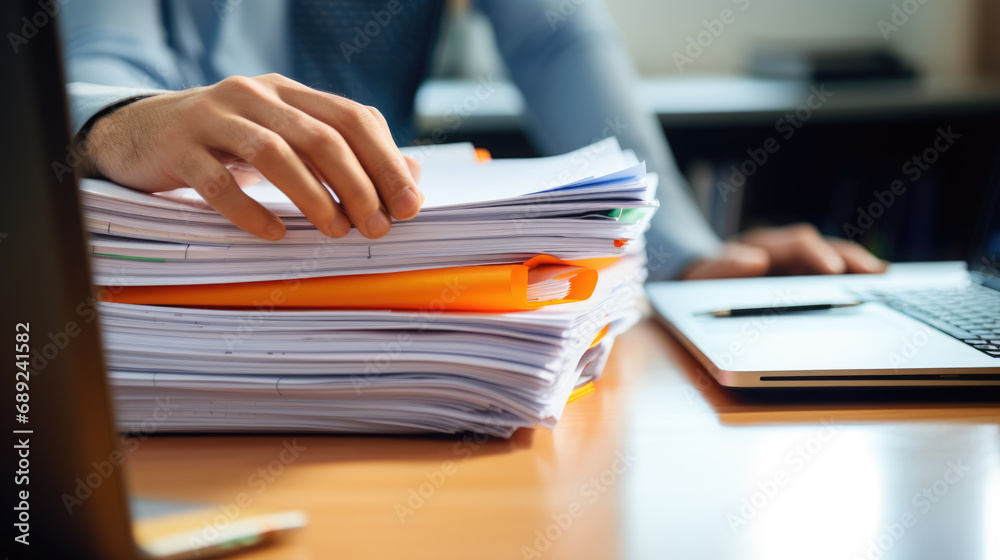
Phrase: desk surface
x=659 y=462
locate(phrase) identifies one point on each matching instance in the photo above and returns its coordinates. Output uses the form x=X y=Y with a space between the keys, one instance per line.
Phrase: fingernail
x=405 y=202
x=275 y=230
x=377 y=224
x=339 y=225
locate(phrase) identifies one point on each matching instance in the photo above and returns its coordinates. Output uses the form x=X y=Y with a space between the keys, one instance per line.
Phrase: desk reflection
x=659 y=462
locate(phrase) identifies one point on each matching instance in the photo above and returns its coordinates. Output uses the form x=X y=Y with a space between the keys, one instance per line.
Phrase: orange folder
x=539 y=282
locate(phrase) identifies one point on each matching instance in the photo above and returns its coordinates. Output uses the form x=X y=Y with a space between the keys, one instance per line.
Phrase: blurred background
x=902 y=73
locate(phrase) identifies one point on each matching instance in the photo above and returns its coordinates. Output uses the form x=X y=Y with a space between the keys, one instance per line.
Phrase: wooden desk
x=660 y=462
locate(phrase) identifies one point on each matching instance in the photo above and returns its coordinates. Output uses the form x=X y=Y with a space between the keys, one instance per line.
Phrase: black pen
x=750 y=311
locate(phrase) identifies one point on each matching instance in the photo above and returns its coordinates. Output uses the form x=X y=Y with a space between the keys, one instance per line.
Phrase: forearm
x=91 y=101
x=114 y=51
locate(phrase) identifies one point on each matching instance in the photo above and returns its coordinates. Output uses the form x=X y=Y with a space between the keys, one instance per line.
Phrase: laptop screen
x=984 y=260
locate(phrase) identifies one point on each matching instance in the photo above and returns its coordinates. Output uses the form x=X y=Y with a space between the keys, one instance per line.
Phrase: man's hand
x=797 y=249
x=297 y=137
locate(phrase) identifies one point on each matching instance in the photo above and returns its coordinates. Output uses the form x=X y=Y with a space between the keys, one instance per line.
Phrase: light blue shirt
x=567 y=58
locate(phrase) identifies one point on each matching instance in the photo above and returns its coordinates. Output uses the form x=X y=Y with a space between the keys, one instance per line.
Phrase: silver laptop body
x=919 y=324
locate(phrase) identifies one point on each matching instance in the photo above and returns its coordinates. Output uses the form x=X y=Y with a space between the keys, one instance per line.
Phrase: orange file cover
x=468 y=288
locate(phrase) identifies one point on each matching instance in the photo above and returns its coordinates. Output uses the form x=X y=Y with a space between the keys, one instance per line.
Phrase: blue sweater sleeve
x=114 y=50
x=579 y=84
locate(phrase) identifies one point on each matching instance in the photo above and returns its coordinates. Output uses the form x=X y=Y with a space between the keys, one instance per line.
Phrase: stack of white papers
x=228 y=370
x=201 y=370
x=594 y=202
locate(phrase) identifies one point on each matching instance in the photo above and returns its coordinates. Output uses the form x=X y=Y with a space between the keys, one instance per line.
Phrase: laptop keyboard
x=970 y=314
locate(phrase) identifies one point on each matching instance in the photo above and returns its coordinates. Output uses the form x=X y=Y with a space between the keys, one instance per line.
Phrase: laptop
x=67 y=486
x=927 y=324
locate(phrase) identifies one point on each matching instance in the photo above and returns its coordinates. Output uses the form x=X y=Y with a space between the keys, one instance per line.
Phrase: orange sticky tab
x=482 y=155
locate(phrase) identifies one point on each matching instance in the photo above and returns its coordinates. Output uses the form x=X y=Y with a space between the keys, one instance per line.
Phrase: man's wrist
x=83 y=141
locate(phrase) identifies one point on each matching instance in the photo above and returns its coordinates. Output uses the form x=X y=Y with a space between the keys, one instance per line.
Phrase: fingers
x=205 y=174
x=797 y=249
x=735 y=261
x=789 y=250
x=412 y=164
x=329 y=156
x=346 y=144
x=800 y=249
x=278 y=162
x=367 y=135
x=857 y=258
x=296 y=137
